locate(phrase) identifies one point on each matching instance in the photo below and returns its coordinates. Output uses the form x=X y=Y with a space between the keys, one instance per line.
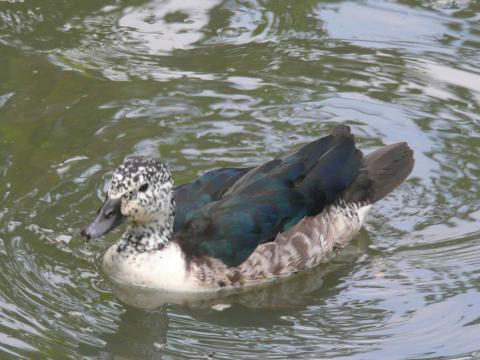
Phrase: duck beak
x=108 y=218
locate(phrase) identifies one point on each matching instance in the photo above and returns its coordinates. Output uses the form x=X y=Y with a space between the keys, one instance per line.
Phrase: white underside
x=362 y=213
x=165 y=269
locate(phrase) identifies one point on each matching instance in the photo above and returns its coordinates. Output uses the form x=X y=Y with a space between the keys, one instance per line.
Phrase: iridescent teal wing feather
x=271 y=198
x=207 y=188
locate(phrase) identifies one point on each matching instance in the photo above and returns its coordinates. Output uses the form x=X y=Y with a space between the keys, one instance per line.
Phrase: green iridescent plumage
x=227 y=213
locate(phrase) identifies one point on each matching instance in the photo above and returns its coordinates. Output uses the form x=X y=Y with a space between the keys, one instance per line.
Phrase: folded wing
x=269 y=199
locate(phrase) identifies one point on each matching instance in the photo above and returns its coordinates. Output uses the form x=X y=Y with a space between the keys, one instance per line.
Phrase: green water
x=205 y=84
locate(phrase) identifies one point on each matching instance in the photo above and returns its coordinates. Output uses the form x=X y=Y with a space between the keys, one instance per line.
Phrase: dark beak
x=108 y=218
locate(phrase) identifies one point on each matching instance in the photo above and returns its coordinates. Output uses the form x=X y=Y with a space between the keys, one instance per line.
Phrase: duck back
x=314 y=239
x=271 y=198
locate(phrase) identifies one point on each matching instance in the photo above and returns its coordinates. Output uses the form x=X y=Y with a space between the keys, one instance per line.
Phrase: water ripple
x=206 y=84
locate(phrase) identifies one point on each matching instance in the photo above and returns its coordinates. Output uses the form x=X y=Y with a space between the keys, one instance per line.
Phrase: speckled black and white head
x=145 y=188
x=141 y=192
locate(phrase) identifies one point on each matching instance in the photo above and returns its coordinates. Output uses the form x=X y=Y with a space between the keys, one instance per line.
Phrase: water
x=205 y=84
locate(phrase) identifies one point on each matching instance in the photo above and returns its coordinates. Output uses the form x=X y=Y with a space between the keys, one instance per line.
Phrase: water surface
x=206 y=84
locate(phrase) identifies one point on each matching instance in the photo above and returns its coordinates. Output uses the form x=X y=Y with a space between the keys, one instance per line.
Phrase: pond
x=204 y=84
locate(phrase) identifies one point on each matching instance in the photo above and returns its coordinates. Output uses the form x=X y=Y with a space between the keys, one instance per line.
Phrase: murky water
x=205 y=84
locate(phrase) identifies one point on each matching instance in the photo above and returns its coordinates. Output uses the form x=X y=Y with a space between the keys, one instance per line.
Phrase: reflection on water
x=163 y=26
x=206 y=84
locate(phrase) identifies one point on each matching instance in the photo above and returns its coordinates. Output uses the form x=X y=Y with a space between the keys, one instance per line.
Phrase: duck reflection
x=140 y=335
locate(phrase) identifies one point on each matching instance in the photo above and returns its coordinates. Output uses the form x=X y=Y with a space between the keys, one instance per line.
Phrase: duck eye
x=143 y=188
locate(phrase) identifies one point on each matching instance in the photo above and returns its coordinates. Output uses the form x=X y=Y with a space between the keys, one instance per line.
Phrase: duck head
x=141 y=192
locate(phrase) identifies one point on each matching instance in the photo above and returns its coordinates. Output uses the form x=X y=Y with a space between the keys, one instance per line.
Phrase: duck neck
x=149 y=236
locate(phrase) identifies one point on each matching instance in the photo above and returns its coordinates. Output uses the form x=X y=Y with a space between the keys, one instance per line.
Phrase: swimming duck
x=235 y=228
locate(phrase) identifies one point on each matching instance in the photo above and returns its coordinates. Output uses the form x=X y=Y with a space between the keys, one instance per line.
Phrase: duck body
x=313 y=241
x=235 y=228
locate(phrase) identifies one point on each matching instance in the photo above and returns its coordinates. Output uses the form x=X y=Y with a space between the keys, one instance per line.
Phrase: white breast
x=362 y=213
x=162 y=269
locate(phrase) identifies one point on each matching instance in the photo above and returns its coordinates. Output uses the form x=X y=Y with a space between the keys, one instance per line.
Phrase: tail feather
x=382 y=171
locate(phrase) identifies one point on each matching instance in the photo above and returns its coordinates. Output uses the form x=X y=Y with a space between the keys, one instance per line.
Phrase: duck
x=234 y=228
